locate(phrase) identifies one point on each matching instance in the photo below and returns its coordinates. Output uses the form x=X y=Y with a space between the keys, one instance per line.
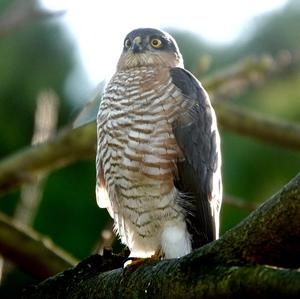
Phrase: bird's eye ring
x=156 y=43
x=127 y=43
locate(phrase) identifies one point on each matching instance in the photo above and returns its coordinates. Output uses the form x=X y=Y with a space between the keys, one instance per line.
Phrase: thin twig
x=45 y=125
x=239 y=203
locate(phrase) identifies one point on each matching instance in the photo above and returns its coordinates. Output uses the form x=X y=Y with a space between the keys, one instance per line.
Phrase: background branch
x=68 y=146
x=259 y=126
x=46 y=116
x=33 y=252
x=77 y=144
x=239 y=202
x=236 y=78
x=231 y=267
x=251 y=71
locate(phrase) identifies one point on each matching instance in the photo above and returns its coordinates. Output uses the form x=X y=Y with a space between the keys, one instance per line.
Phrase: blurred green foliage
x=41 y=55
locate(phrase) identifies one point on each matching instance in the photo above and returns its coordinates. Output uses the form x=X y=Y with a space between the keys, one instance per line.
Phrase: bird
x=158 y=160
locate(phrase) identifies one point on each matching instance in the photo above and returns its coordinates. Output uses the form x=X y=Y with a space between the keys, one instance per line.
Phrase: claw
x=131 y=263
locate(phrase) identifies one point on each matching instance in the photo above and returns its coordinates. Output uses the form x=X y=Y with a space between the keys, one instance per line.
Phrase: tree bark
x=259 y=258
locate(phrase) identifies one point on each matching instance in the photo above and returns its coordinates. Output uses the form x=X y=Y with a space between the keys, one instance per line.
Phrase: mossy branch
x=258 y=258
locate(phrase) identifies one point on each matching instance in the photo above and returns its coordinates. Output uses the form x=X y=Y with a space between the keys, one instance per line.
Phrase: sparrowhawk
x=158 y=151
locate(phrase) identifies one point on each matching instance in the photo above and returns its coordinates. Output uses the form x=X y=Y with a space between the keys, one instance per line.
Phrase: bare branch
x=68 y=146
x=33 y=252
x=46 y=116
x=234 y=79
x=79 y=143
x=261 y=127
x=251 y=71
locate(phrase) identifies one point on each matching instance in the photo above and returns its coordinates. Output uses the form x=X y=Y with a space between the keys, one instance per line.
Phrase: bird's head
x=148 y=46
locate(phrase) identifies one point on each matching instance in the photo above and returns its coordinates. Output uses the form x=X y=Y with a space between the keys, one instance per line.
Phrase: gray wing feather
x=199 y=174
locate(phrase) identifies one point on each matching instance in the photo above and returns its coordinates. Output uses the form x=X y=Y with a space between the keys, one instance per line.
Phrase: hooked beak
x=137 y=45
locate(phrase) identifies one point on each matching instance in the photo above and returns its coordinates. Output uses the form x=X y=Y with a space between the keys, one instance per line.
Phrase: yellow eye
x=156 y=43
x=127 y=43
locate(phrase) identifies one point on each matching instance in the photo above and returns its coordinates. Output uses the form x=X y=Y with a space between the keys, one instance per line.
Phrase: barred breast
x=137 y=153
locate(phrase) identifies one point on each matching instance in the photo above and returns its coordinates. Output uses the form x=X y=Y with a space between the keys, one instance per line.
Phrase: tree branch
x=68 y=146
x=232 y=267
x=259 y=126
x=79 y=143
x=240 y=75
x=45 y=122
x=253 y=71
x=33 y=252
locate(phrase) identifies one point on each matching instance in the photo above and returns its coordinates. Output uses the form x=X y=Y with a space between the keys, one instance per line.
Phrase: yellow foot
x=132 y=263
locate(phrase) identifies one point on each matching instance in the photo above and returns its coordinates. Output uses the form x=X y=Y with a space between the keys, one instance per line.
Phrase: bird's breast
x=135 y=140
